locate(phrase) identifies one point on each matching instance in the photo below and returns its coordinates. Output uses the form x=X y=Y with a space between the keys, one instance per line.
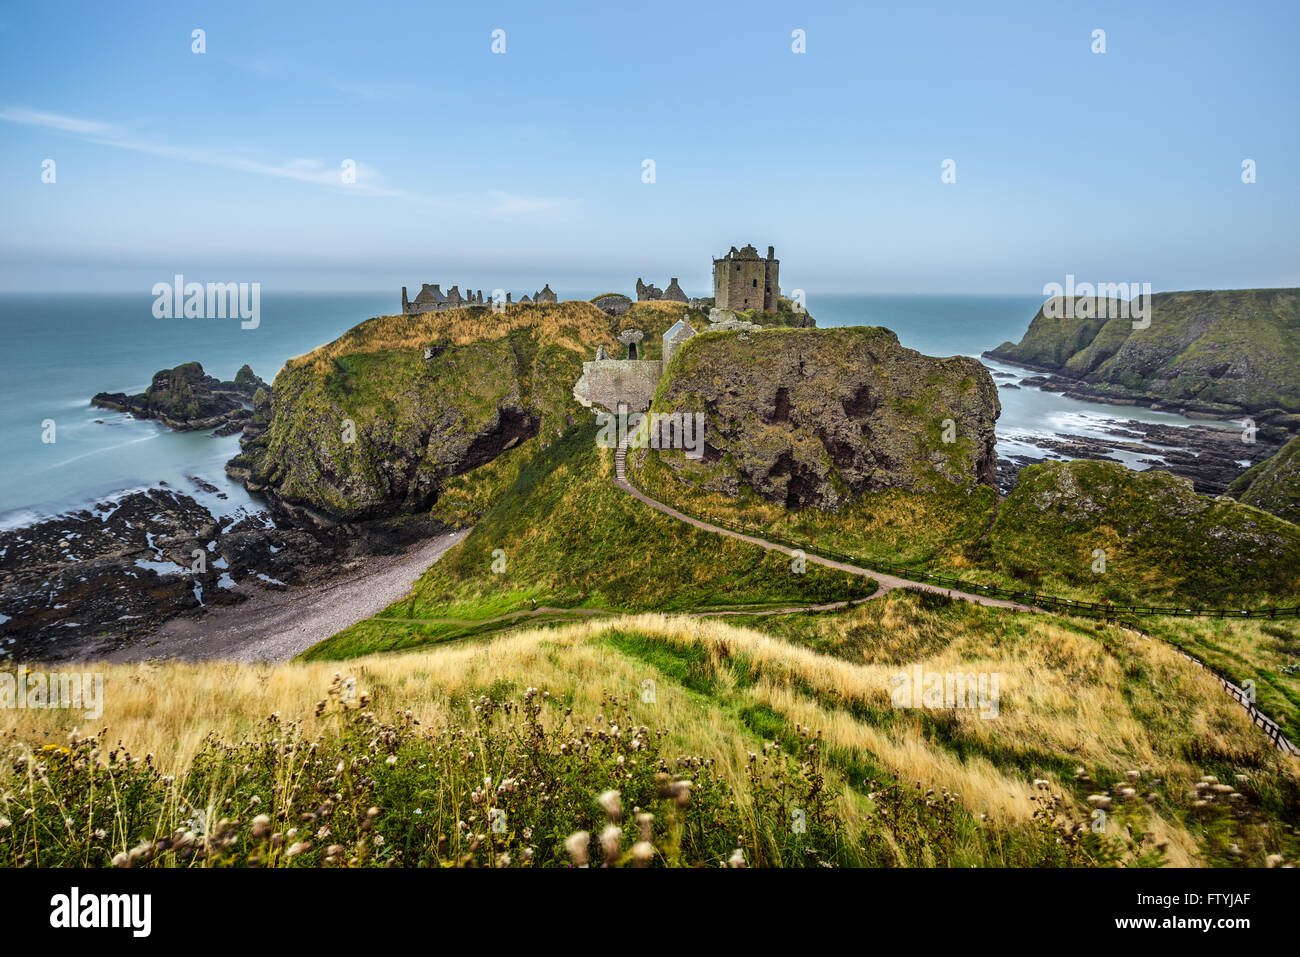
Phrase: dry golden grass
x=572 y=325
x=1059 y=691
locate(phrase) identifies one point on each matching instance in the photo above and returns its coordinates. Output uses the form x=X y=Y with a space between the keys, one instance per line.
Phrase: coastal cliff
x=813 y=417
x=1274 y=484
x=1217 y=352
x=375 y=423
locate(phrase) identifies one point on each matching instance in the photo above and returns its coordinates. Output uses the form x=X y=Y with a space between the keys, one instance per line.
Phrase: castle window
x=755 y=282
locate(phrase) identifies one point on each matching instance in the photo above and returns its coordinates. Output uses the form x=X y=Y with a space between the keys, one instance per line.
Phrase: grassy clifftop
x=1274 y=484
x=564 y=537
x=377 y=422
x=1222 y=351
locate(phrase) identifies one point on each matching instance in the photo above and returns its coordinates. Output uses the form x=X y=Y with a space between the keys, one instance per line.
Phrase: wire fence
x=1096 y=609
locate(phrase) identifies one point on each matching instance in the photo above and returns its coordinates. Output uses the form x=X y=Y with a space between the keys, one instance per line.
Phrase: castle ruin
x=744 y=280
x=631 y=382
x=431 y=298
x=673 y=293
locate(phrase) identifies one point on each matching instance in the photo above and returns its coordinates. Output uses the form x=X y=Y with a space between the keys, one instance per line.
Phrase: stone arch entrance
x=631 y=338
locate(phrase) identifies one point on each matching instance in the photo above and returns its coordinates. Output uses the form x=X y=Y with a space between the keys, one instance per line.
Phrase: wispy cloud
x=303 y=170
x=54 y=121
x=497 y=203
x=508 y=204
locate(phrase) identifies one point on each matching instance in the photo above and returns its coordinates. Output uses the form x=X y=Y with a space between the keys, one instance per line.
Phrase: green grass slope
x=564 y=536
x=1274 y=484
x=1162 y=543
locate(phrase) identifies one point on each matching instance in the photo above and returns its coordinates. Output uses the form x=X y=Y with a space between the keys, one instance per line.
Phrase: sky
x=511 y=169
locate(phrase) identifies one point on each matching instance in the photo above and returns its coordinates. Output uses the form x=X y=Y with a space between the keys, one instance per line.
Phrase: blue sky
x=526 y=167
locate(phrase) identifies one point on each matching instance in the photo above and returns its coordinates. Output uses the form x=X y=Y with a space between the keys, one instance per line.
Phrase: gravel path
x=886 y=582
x=275 y=626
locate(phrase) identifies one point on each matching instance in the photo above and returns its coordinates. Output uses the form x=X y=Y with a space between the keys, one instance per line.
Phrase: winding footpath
x=887 y=582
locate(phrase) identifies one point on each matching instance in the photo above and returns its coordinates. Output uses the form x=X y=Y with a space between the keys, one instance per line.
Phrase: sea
x=62 y=454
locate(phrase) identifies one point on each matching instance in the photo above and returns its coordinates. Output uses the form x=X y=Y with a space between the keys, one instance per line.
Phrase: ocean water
x=59 y=351
x=969 y=325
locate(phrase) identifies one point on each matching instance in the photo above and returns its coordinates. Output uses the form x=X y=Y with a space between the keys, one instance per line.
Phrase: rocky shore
x=100 y=578
x=97 y=580
x=1212 y=456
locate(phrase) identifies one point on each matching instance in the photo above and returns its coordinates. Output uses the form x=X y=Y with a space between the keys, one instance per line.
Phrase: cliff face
x=1274 y=484
x=1219 y=351
x=372 y=424
x=811 y=417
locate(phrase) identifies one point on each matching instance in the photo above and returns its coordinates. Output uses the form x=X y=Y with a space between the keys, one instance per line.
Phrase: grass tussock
x=1134 y=732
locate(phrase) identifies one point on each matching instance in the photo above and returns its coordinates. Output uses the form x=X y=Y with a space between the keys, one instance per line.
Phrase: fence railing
x=1266 y=724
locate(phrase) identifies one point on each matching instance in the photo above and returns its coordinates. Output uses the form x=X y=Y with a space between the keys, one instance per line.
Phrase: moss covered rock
x=811 y=417
x=374 y=423
x=1158 y=538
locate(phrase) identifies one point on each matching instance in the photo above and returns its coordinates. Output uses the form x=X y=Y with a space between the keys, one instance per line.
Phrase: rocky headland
x=187 y=399
x=814 y=417
x=1219 y=353
x=1274 y=484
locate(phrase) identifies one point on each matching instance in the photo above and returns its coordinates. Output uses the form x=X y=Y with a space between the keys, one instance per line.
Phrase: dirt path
x=590 y=612
x=275 y=626
x=887 y=582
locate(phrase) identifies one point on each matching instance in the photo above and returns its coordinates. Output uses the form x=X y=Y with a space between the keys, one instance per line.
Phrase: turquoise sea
x=59 y=351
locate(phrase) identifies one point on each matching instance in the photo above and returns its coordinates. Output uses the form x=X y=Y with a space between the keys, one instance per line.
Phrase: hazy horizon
x=528 y=165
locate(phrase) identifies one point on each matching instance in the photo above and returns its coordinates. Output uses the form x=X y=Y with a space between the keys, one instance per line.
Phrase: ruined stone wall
x=607 y=382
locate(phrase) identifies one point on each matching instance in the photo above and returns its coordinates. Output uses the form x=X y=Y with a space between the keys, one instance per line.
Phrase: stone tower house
x=744 y=280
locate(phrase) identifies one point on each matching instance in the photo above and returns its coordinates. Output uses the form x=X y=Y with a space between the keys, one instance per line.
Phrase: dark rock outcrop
x=185 y=398
x=812 y=417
